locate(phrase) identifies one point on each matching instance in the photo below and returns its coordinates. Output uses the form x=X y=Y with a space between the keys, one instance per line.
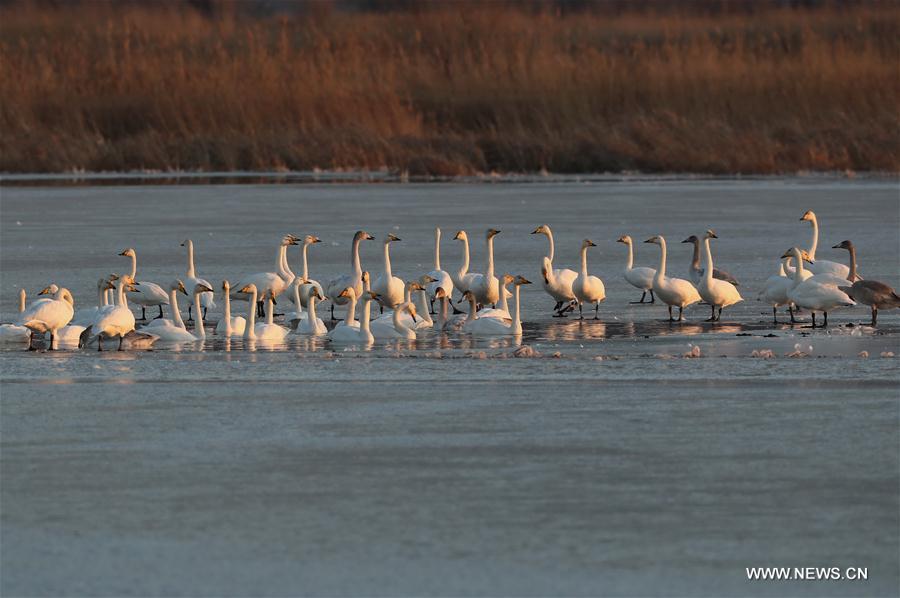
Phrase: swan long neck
x=133 y=265
x=709 y=261
x=422 y=307
x=250 y=330
x=351 y=307
x=270 y=310
x=504 y=304
x=852 y=276
x=815 y=237
x=437 y=249
x=190 y=269
x=799 y=269
x=297 y=304
x=629 y=262
x=490 y=258
x=227 y=315
x=120 y=290
x=387 y=261
x=176 y=313
x=289 y=274
x=661 y=272
x=366 y=314
x=695 y=261
x=464 y=268
x=443 y=314
x=549 y=234
x=199 y=330
x=311 y=306
x=517 y=323
x=281 y=263
x=399 y=326
x=22 y=300
x=354 y=257
x=584 y=261
x=472 y=309
x=101 y=296
x=305 y=261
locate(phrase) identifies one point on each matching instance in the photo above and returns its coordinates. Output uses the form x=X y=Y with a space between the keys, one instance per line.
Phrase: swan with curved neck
x=336 y=286
x=486 y=287
x=718 y=293
x=640 y=277
x=813 y=294
x=414 y=294
x=388 y=287
x=175 y=322
x=151 y=294
x=399 y=328
x=876 y=295
x=818 y=266
x=308 y=284
x=462 y=278
x=442 y=279
x=494 y=326
x=207 y=299
x=674 y=292
x=587 y=288
x=557 y=282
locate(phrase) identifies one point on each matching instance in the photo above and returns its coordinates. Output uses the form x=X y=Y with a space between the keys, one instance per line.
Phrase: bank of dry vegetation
x=451 y=90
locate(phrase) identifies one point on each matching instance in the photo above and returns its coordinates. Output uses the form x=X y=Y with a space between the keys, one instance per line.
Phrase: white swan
x=230 y=325
x=442 y=279
x=486 y=287
x=399 y=329
x=640 y=277
x=265 y=331
x=298 y=314
x=815 y=295
x=387 y=287
x=151 y=294
x=172 y=328
x=172 y=332
x=696 y=271
x=462 y=278
x=818 y=266
x=493 y=326
x=14 y=333
x=674 y=292
x=345 y=333
x=502 y=310
x=556 y=282
x=312 y=324
x=775 y=291
x=267 y=283
x=716 y=292
x=49 y=315
x=336 y=286
x=115 y=321
x=587 y=288
x=207 y=300
x=420 y=302
x=306 y=284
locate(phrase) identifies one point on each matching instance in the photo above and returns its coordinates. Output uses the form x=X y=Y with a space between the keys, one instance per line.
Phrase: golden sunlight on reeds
x=455 y=90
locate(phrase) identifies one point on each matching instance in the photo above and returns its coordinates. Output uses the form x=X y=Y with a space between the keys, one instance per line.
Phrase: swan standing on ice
x=49 y=316
x=388 y=287
x=876 y=295
x=14 y=333
x=486 y=287
x=335 y=287
x=696 y=271
x=343 y=333
x=117 y=320
x=640 y=277
x=442 y=279
x=557 y=282
x=229 y=325
x=267 y=283
x=775 y=292
x=312 y=324
x=207 y=300
x=812 y=294
x=587 y=288
x=462 y=278
x=817 y=266
x=674 y=292
x=716 y=292
x=494 y=326
x=151 y=294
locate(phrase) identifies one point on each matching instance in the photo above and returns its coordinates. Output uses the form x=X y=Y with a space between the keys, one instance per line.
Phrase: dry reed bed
x=451 y=91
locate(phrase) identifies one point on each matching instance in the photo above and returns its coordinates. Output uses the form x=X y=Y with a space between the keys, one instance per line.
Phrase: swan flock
x=408 y=308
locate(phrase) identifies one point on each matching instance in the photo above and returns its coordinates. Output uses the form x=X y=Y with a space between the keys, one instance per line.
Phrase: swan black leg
x=680 y=314
x=642 y=298
x=825 y=313
x=100 y=342
x=121 y=338
x=671 y=319
x=160 y=313
x=652 y=298
x=580 y=312
x=874 y=315
x=775 y=315
x=190 y=314
x=719 y=317
x=143 y=313
x=50 y=348
x=332 y=312
x=204 y=312
x=813 y=318
x=712 y=317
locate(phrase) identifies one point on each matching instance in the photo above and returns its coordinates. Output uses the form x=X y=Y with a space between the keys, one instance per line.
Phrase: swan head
x=626 y=239
x=691 y=239
x=362 y=235
x=311 y=240
x=390 y=238
x=491 y=233
x=796 y=252
x=654 y=239
x=440 y=293
x=467 y=296
x=427 y=279
x=808 y=215
x=226 y=285
x=128 y=252
x=520 y=280
x=460 y=236
x=587 y=243
x=186 y=243
x=541 y=230
x=414 y=286
x=348 y=293
x=317 y=294
x=49 y=290
x=201 y=288
x=248 y=288
x=506 y=279
x=844 y=245
x=177 y=285
x=289 y=240
x=710 y=234
x=374 y=296
x=364 y=277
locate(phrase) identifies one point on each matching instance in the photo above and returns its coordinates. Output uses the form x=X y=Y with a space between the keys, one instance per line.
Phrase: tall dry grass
x=458 y=89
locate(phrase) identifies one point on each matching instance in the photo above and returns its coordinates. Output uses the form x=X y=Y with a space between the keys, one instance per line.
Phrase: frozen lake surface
x=447 y=467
